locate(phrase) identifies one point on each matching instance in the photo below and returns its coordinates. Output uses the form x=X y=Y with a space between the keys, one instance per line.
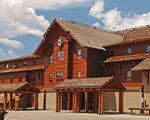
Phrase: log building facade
x=81 y=68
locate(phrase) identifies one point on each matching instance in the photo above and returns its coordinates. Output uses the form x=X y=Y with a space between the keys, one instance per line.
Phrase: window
x=34 y=62
x=33 y=81
x=129 y=51
x=24 y=64
x=60 y=55
x=51 y=58
x=78 y=74
x=11 y=80
x=129 y=75
x=148 y=48
x=15 y=66
x=60 y=75
x=79 y=53
x=50 y=77
x=20 y=79
x=7 y=66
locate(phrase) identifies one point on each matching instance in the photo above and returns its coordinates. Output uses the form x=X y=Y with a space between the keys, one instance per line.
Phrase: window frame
x=61 y=76
x=129 y=51
x=129 y=76
x=50 y=77
x=148 y=48
x=78 y=73
x=79 y=54
x=51 y=58
x=60 y=55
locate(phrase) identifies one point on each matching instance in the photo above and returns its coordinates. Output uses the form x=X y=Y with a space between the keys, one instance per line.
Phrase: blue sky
x=27 y=27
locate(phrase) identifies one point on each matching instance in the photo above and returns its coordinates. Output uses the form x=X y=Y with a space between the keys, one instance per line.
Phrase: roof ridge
x=88 y=25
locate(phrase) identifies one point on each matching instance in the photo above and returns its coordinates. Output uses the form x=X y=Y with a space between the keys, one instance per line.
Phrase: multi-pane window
x=24 y=64
x=129 y=50
x=60 y=55
x=50 y=77
x=15 y=66
x=148 y=48
x=60 y=75
x=129 y=75
x=78 y=74
x=79 y=53
x=51 y=58
x=7 y=66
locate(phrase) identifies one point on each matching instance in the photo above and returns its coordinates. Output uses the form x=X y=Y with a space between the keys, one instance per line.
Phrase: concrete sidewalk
x=51 y=115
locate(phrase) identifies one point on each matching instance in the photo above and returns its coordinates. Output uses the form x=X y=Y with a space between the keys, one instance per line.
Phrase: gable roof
x=100 y=82
x=18 y=87
x=86 y=35
x=144 y=65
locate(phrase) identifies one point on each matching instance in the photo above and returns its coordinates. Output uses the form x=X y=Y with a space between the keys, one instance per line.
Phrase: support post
x=10 y=101
x=24 y=101
x=44 y=100
x=68 y=100
x=121 y=102
x=58 y=100
x=75 y=101
x=86 y=101
x=100 y=102
x=16 y=102
x=5 y=101
x=36 y=101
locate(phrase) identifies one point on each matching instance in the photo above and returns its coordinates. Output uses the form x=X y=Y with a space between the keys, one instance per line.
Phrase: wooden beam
x=44 y=100
x=76 y=101
x=16 y=102
x=121 y=109
x=100 y=102
x=58 y=100
x=86 y=102
x=5 y=101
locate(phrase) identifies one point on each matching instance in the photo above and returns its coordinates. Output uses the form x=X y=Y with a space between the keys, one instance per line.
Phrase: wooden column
x=121 y=102
x=95 y=102
x=58 y=100
x=86 y=101
x=36 y=101
x=44 y=100
x=68 y=100
x=16 y=102
x=75 y=101
x=24 y=101
x=100 y=102
x=5 y=101
x=10 y=101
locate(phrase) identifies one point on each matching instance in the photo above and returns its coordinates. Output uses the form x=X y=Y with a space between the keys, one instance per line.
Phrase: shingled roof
x=86 y=83
x=22 y=69
x=122 y=58
x=86 y=35
x=144 y=65
x=16 y=87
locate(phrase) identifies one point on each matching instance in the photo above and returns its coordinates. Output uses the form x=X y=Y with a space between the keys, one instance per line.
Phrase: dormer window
x=15 y=66
x=7 y=66
x=147 y=48
x=79 y=53
x=129 y=50
x=24 y=64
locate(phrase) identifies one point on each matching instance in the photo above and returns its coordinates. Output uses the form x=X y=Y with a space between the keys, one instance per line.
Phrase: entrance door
x=64 y=101
x=90 y=100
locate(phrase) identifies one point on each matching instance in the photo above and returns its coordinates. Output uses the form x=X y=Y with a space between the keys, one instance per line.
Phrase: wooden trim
x=58 y=101
x=100 y=102
x=5 y=101
x=86 y=101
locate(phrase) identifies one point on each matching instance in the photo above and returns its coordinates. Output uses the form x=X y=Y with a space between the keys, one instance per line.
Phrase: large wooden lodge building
x=81 y=68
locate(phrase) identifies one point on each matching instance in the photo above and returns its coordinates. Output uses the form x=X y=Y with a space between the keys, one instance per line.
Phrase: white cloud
x=7 y=54
x=97 y=9
x=54 y=4
x=113 y=19
x=11 y=43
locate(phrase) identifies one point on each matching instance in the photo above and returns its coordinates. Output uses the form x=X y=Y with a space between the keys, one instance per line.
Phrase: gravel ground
x=51 y=115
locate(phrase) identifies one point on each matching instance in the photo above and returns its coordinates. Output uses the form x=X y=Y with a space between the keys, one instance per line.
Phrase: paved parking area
x=51 y=115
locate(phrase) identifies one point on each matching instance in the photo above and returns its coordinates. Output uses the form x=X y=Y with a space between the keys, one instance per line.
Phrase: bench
x=140 y=109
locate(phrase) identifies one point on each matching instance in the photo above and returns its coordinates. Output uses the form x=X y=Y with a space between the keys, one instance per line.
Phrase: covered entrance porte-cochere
x=16 y=94
x=87 y=94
